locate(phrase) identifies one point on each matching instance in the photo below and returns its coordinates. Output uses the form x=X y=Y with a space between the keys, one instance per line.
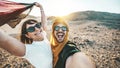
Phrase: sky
x=65 y=7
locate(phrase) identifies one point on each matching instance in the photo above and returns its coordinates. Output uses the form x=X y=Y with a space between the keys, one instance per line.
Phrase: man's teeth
x=60 y=36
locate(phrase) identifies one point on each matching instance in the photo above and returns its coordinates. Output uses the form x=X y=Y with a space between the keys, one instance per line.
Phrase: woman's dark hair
x=23 y=38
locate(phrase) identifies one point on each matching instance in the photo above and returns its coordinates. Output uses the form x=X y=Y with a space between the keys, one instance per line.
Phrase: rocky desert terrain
x=95 y=33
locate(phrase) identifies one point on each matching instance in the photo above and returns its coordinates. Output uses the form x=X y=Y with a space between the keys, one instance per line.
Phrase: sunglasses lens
x=56 y=28
x=38 y=25
x=31 y=29
x=64 y=28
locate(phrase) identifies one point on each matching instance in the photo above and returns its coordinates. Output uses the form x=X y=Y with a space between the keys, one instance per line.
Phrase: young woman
x=38 y=49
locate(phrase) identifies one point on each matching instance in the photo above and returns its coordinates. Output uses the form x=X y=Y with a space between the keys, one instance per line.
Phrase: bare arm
x=79 y=60
x=12 y=45
x=43 y=17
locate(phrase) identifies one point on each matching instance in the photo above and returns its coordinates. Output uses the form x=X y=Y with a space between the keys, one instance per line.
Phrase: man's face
x=60 y=32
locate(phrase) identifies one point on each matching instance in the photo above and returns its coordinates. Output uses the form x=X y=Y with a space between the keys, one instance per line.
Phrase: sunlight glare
x=60 y=7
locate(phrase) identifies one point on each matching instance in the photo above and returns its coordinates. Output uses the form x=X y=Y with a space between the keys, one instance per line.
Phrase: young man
x=66 y=54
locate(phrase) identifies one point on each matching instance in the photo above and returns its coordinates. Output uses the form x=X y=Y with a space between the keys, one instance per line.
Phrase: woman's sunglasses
x=32 y=28
x=63 y=28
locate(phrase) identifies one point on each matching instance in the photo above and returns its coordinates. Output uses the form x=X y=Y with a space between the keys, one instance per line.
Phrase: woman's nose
x=36 y=29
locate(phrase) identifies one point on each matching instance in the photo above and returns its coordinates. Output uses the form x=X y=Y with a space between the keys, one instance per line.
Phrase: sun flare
x=60 y=7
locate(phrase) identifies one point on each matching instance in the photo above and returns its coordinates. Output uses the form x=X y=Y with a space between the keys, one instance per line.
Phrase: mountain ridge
x=92 y=15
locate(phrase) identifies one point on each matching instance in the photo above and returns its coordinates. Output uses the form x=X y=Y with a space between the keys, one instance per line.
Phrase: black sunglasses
x=64 y=28
x=32 y=28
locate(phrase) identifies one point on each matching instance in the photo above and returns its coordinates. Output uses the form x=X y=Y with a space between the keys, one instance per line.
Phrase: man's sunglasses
x=32 y=28
x=63 y=28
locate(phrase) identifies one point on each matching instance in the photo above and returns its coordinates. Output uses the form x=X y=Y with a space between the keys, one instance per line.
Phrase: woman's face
x=34 y=32
x=60 y=32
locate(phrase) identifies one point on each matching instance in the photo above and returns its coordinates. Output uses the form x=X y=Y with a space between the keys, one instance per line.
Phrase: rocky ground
x=98 y=41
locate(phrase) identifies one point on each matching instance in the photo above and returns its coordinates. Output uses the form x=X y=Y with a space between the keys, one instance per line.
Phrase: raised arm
x=12 y=45
x=43 y=17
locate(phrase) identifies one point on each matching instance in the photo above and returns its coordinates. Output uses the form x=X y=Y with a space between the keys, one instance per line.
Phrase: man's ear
x=27 y=35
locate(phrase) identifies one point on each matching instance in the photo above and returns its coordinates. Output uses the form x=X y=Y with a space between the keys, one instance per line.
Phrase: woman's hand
x=43 y=17
x=38 y=5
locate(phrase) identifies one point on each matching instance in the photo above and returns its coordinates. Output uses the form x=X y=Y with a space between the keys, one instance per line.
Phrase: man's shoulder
x=71 y=43
x=70 y=48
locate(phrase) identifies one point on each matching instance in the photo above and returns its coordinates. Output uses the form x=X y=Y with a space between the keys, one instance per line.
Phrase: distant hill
x=92 y=15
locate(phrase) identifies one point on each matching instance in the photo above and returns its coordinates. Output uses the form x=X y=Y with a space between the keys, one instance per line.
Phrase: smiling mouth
x=37 y=33
x=60 y=35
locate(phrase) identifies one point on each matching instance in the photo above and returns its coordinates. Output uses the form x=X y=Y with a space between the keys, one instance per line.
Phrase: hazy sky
x=64 y=7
